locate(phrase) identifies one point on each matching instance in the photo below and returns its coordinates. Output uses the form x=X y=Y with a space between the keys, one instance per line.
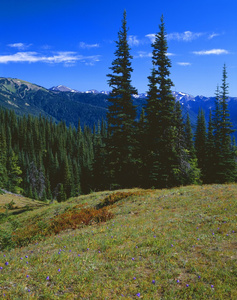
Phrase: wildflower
x=26 y=256
x=153 y=281
x=172 y=245
x=212 y=286
x=133 y=258
x=47 y=278
x=59 y=270
x=138 y=294
x=134 y=278
x=187 y=285
x=178 y=281
x=6 y=263
x=27 y=276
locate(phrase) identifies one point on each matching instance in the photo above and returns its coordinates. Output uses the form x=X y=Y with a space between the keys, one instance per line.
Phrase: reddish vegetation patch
x=70 y=219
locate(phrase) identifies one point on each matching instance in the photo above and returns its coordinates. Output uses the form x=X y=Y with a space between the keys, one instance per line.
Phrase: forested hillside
x=43 y=159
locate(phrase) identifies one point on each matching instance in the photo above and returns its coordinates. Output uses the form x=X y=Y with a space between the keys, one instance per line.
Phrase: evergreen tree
x=3 y=157
x=14 y=173
x=225 y=162
x=121 y=114
x=188 y=134
x=166 y=156
x=200 y=142
x=210 y=153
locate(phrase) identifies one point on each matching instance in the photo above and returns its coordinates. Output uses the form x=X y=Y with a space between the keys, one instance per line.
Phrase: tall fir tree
x=165 y=145
x=200 y=142
x=188 y=135
x=225 y=154
x=121 y=114
x=209 y=176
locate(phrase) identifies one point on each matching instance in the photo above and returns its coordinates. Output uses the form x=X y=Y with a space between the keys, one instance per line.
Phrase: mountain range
x=69 y=105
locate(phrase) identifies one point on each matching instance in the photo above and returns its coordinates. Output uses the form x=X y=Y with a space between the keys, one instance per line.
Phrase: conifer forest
x=44 y=160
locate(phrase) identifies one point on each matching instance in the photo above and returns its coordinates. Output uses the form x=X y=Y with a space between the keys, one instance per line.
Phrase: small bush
x=115 y=197
x=6 y=240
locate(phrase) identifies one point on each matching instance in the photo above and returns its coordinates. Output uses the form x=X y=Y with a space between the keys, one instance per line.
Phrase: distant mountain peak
x=63 y=88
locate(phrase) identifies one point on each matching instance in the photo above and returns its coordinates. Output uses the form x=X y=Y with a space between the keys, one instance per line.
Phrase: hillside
x=150 y=244
x=26 y=98
x=62 y=103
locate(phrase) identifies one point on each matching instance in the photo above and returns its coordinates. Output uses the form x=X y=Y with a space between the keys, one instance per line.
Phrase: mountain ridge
x=63 y=103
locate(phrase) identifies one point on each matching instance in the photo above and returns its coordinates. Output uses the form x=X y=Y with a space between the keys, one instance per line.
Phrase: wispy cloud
x=133 y=40
x=88 y=46
x=143 y=54
x=184 y=64
x=19 y=46
x=211 y=36
x=151 y=36
x=211 y=52
x=170 y=54
x=186 y=36
x=67 y=57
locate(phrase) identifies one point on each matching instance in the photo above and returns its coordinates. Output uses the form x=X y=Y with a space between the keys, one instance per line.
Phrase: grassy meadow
x=175 y=243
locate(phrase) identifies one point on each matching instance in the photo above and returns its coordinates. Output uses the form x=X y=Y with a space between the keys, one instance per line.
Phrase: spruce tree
x=188 y=134
x=200 y=142
x=164 y=123
x=210 y=153
x=121 y=114
x=226 y=165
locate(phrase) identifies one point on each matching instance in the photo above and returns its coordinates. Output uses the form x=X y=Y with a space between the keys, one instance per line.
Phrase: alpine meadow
x=131 y=203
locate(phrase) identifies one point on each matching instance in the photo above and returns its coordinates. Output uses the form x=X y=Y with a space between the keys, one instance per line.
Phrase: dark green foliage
x=188 y=135
x=209 y=176
x=167 y=157
x=215 y=150
x=39 y=157
x=200 y=142
x=225 y=169
x=121 y=115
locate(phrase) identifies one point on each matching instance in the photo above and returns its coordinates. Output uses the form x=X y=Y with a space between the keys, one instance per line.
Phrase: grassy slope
x=162 y=244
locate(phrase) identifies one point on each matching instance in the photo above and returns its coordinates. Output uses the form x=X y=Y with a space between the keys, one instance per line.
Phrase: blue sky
x=71 y=42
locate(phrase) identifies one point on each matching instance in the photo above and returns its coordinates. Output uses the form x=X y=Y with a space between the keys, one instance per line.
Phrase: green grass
x=161 y=244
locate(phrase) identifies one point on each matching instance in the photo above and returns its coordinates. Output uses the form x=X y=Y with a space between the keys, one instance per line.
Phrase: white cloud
x=20 y=46
x=133 y=41
x=184 y=64
x=88 y=46
x=142 y=54
x=170 y=54
x=151 y=36
x=186 y=36
x=66 y=57
x=211 y=52
x=211 y=36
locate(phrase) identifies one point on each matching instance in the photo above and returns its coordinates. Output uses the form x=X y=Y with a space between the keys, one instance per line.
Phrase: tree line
x=45 y=160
